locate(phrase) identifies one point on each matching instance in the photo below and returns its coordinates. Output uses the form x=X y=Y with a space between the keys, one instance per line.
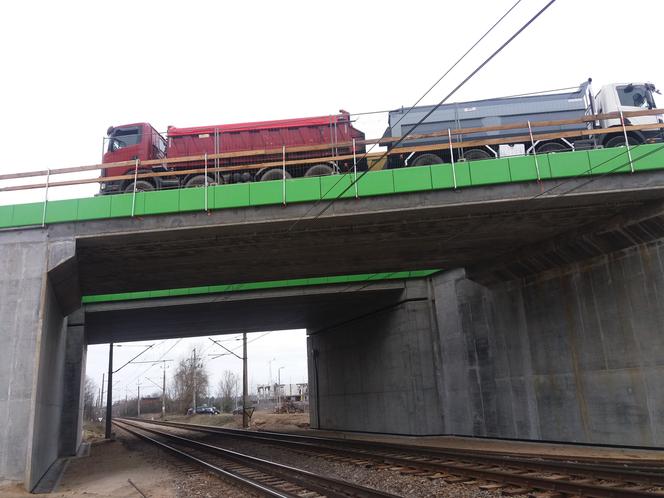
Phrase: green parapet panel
x=159 y=293
x=232 y=195
x=441 y=176
x=338 y=186
x=524 y=168
x=489 y=171
x=303 y=189
x=193 y=199
x=376 y=183
x=6 y=216
x=162 y=201
x=60 y=211
x=94 y=208
x=462 y=171
x=414 y=179
x=613 y=160
x=121 y=204
x=27 y=214
x=648 y=156
x=270 y=192
x=565 y=164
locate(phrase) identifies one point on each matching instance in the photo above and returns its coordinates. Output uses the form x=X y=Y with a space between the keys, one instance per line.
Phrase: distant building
x=283 y=392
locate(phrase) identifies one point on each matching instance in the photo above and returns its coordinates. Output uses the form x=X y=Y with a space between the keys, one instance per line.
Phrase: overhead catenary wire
x=455 y=64
x=430 y=112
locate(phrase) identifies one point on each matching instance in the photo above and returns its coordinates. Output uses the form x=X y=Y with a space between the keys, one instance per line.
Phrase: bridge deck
x=375 y=183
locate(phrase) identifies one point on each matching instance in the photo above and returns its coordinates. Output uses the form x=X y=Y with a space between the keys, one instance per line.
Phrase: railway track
x=259 y=475
x=511 y=473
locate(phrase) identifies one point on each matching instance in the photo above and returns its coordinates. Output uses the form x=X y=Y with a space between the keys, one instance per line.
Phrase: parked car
x=204 y=410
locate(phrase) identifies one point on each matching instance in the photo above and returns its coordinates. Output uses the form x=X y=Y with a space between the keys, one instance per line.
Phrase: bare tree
x=89 y=395
x=183 y=383
x=228 y=390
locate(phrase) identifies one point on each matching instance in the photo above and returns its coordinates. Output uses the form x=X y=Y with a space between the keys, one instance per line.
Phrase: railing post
x=283 y=174
x=355 y=170
x=454 y=179
x=206 y=182
x=48 y=178
x=629 y=150
x=532 y=142
x=133 y=196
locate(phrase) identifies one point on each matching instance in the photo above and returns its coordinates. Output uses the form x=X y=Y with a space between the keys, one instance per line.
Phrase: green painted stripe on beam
x=274 y=284
x=386 y=182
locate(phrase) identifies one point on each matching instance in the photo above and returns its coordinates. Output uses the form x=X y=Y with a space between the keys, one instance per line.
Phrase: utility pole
x=163 y=392
x=126 y=401
x=195 y=367
x=279 y=387
x=109 y=393
x=101 y=397
x=245 y=383
x=138 y=388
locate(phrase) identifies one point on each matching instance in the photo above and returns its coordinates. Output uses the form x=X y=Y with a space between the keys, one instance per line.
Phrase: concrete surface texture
x=33 y=360
x=574 y=355
x=378 y=373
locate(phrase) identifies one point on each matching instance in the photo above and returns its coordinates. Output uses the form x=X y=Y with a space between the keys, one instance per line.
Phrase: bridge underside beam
x=436 y=229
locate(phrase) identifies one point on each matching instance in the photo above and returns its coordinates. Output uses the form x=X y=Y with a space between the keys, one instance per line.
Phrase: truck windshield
x=635 y=96
x=123 y=137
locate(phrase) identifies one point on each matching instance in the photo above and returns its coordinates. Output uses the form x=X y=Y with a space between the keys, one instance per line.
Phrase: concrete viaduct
x=544 y=321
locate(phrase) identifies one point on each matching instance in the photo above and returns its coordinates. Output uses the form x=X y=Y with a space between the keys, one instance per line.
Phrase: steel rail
x=255 y=486
x=503 y=457
x=481 y=471
x=327 y=486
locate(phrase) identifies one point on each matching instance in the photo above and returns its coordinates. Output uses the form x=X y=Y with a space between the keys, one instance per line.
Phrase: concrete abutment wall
x=573 y=355
x=38 y=360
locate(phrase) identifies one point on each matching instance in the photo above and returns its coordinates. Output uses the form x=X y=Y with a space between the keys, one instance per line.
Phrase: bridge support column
x=32 y=359
x=377 y=373
x=575 y=354
x=71 y=421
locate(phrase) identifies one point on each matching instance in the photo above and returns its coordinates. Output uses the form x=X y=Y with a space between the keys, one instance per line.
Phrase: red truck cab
x=128 y=143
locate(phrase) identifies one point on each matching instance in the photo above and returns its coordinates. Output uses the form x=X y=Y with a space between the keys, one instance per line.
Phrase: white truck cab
x=626 y=97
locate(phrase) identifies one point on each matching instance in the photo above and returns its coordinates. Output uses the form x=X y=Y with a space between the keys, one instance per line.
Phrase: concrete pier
x=575 y=354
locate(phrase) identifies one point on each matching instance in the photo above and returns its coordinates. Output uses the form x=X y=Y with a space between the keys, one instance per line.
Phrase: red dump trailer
x=252 y=146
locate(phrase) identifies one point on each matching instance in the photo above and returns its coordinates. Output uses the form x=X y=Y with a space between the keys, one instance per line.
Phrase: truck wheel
x=427 y=160
x=476 y=155
x=319 y=170
x=198 y=181
x=547 y=147
x=141 y=186
x=619 y=141
x=274 y=174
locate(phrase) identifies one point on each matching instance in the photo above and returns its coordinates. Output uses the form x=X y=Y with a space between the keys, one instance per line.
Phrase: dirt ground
x=261 y=420
x=111 y=464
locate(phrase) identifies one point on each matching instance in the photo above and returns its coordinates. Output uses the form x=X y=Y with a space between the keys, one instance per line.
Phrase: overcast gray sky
x=70 y=69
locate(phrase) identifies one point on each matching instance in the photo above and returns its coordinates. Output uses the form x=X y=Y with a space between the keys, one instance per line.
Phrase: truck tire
x=427 y=160
x=198 y=181
x=141 y=186
x=619 y=141
x=319 y=170
x=548 y=147
x=274 y=174
x=476 y=155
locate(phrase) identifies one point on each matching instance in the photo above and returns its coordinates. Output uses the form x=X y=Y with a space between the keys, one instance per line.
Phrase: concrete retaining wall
x=32 y=360
x=377 y=373
x=571 y=355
